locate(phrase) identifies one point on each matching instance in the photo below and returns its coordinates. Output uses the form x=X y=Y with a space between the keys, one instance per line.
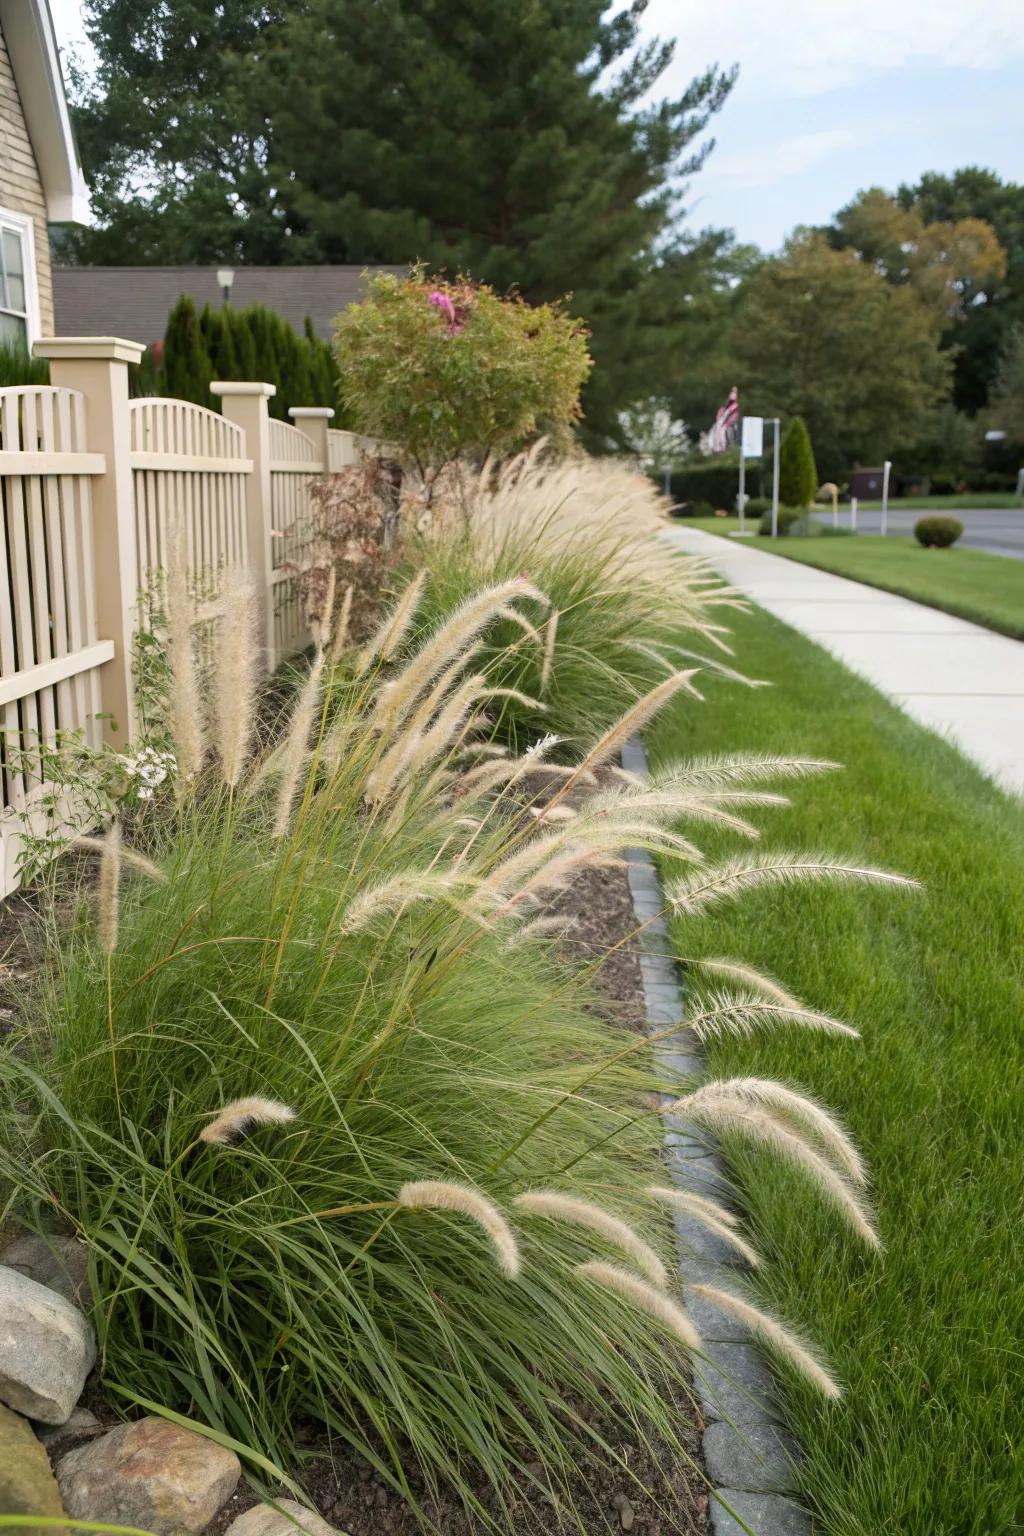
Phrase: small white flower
x=544 y=745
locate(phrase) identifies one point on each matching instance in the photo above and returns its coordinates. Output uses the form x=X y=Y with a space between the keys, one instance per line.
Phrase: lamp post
x=225 y=278
x=775 y=477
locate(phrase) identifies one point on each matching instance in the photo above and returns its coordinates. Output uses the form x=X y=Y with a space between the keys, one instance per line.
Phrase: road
x=1000 y=530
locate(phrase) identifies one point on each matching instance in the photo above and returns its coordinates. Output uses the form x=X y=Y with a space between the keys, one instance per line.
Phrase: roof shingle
x=134 y=302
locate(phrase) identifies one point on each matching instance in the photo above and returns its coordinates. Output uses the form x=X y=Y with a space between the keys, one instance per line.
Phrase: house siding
x=20 y=187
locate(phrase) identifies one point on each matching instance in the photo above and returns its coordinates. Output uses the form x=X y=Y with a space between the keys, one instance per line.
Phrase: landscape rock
x=47 y=1349
x=27 y=1485
x=261 y=1520
x=60 y=1263
x=151 y=1474
x=58 y=1438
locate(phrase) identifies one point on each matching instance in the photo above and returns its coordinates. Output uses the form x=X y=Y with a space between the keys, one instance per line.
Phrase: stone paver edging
x=748 y=1455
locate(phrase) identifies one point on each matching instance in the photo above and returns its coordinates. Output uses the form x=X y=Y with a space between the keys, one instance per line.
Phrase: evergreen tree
x=186 y=361
x=798 y=474
x=519 y=141
x=514 y=140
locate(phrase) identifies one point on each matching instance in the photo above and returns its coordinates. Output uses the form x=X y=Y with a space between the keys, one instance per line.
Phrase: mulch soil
x=606 y=1498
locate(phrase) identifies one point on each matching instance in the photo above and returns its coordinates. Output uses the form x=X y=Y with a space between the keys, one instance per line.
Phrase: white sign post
x=775 y=477
x=853 y=513
x=751 y=447
x=886 y=467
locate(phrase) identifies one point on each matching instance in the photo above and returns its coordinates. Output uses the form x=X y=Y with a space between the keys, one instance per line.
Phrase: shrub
x=943 y=483
x=715 y=481
x=788 y=519
x=798 y=473
x=447 y=370
x=756 y=505
x=938 y=531
x=251 y=344
x=316 y=995
x=587 y=532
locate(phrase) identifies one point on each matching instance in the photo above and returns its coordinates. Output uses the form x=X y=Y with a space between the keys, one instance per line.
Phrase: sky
x=832 y=96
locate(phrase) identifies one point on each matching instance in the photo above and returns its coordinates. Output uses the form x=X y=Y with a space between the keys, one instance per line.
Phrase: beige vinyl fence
x=95 y=487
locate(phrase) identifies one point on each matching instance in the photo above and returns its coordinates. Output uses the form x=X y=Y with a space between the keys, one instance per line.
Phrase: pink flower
x=442 y=302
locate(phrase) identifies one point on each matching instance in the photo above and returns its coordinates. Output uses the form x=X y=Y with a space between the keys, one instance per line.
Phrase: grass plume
x=782 y=1340
x=647 y=1297
x=440 y=1195
x=619 y=1234
x=237 y=1120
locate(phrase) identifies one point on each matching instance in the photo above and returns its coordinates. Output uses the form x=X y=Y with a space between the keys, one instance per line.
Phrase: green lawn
x=927 y=1337
x=989 y=589
x=947 y=503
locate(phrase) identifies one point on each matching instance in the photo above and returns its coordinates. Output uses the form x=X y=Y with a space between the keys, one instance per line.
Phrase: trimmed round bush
x=938 y=531
x=788 y=516
x=756 y=505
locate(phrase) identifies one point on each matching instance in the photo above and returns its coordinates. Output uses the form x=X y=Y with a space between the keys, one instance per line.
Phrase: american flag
x=726 y=423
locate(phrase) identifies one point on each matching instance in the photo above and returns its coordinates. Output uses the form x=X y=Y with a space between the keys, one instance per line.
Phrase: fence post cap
x=234 y=387
x=110 y=349
x=319 y=412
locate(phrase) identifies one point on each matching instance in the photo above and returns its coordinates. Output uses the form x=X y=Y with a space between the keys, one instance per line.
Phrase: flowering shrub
x=447 y=370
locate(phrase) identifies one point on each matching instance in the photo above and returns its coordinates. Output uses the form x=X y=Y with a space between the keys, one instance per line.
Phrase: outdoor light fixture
x=225 y=277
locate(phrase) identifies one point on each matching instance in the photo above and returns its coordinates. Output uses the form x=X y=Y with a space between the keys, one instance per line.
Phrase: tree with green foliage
x=519 y=141
x=798 y=473
x=449 y=370
x=820 y=334
x=1008 y=389
x=550 y=170
x=173 y=134
x=959 y=240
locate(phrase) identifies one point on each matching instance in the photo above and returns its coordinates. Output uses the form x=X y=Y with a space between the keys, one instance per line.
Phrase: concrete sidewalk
x=958 y=679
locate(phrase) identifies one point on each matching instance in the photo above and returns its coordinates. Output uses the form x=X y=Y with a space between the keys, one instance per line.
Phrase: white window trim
x=25 y=226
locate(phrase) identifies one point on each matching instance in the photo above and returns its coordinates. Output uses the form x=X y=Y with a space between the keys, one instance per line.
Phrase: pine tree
x=520 y=141
x=798 y=474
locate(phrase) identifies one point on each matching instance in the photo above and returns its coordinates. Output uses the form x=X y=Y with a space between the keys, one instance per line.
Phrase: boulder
x=60 y=1263
x=151 y=1474
x=27 y=1486
x=261 y=1520
x=47 y=1349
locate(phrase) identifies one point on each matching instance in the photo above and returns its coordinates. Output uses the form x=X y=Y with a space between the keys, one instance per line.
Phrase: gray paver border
x=749 y=1456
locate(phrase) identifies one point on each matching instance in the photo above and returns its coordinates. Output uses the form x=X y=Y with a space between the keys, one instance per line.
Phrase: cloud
x=764 y=166
x=809 y=47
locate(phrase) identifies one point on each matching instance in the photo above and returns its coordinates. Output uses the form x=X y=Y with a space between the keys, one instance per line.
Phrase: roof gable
x=32 y=48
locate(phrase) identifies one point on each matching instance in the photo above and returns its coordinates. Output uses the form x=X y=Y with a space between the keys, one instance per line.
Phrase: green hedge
x=253 y=343
x=714 y=480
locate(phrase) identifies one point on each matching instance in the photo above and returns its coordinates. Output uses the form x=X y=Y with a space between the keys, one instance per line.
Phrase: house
x=41 y=181
x=135 y=302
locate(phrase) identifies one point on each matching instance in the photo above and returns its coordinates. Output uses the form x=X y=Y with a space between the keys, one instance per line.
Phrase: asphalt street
x=1000 y=530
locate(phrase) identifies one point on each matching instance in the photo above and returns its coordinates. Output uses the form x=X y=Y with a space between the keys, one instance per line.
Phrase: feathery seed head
x=582 y=1213
x=236 y=677
x=236 y=1120
x=650 y=1300
x=772 y=1331
x=716 y=1218
x=442 y=1195
x=108 y=889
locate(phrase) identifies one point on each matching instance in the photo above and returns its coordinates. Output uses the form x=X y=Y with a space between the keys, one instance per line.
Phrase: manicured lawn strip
x=980 y=499
x=926 y=1337
x=988 y=589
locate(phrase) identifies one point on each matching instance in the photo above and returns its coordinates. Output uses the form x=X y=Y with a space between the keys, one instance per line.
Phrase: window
x=19 y=312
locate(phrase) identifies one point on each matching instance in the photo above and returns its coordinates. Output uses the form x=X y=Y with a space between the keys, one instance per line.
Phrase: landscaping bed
x=641 y=1486
x=924 y=1335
